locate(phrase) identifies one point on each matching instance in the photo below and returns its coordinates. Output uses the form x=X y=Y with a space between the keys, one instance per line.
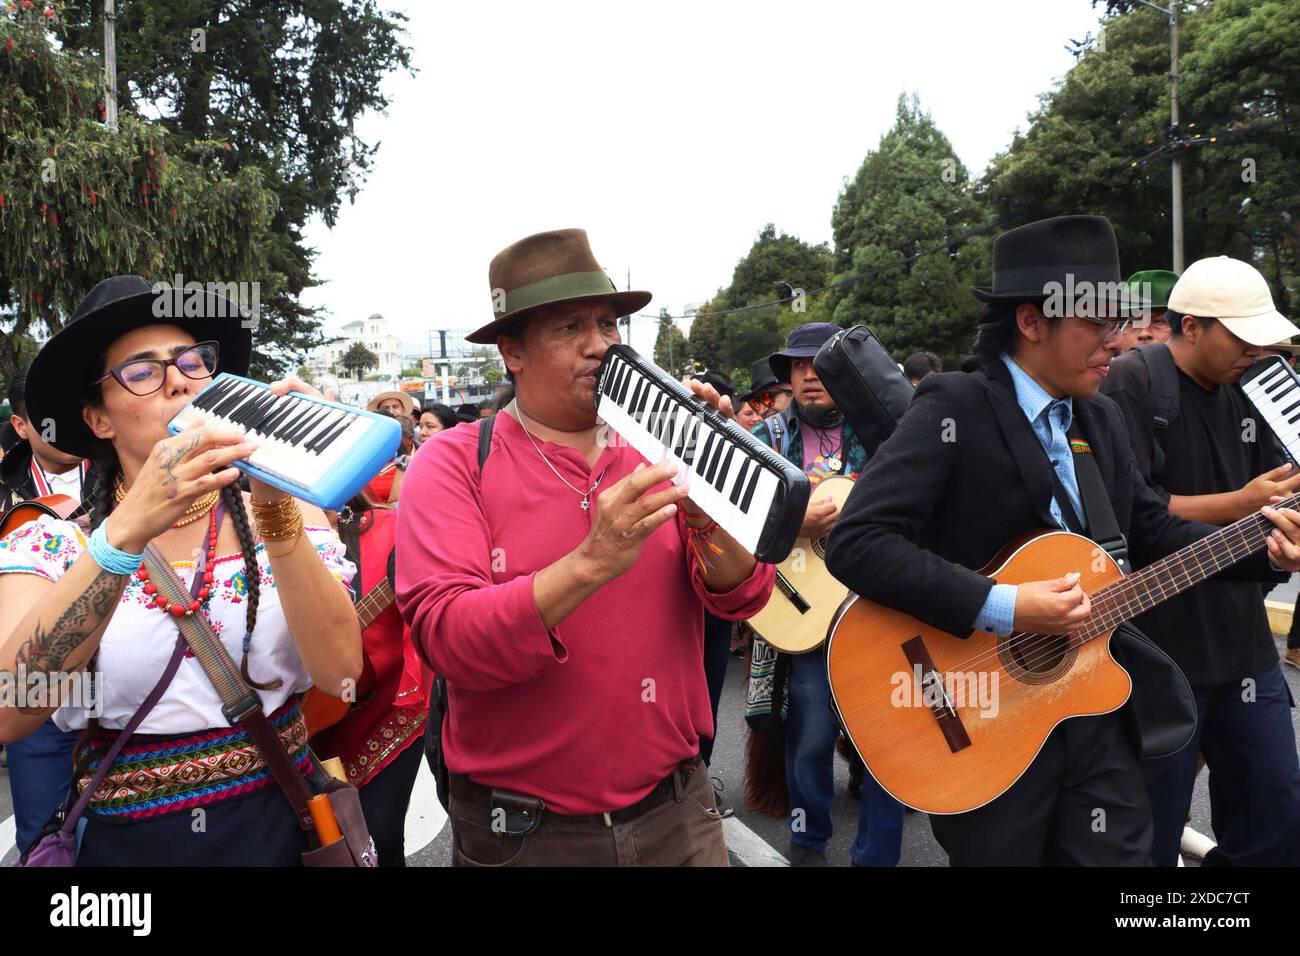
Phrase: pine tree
x=910 y=194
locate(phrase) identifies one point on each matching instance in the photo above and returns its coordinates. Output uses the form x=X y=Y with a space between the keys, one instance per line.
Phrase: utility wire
x=948 y=245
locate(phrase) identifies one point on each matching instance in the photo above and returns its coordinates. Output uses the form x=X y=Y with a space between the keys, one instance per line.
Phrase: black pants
x=385 y=800
x=1081 y=803
x=1250 y=748
x=258 y=829
x=717 y=654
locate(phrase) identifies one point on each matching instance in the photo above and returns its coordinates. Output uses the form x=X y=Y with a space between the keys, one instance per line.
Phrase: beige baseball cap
x=1235 y=293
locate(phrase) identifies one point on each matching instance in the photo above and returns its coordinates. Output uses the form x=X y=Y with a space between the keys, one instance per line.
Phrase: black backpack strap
x=434 y=754
x=485 y=440
x=1163 y=375
x=1103 y=526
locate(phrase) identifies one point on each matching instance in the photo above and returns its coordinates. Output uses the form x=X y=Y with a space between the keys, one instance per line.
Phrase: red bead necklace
x=177 y=608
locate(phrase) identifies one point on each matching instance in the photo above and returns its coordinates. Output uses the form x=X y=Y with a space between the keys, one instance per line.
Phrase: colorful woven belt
x=160 y=775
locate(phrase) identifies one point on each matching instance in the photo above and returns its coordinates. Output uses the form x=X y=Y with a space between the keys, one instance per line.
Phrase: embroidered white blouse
x=140 y=638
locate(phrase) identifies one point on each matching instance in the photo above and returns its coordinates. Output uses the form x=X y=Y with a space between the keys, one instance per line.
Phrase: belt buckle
x=609 y=822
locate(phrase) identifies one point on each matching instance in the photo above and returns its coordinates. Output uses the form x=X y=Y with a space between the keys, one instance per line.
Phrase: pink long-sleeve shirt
x=590 y=716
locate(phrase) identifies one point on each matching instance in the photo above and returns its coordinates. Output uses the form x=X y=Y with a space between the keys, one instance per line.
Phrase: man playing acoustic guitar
x=983 y=457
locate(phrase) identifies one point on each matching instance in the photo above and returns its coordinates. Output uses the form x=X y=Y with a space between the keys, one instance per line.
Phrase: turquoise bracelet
x=111 y=559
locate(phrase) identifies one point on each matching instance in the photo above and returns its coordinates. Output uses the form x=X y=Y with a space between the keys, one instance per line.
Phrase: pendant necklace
x=585 y=504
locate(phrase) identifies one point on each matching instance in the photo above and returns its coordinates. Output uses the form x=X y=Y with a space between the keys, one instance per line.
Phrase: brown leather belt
x=671 y=787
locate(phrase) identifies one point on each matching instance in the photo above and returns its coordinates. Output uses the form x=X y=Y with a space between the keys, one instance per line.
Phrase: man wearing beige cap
x=1208 y=452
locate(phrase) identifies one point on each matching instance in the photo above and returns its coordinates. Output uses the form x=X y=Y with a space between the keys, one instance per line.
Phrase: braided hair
x=103 y=499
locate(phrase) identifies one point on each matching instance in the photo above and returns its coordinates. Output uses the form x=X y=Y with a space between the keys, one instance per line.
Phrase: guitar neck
x=1158 y=582
x=374 y=603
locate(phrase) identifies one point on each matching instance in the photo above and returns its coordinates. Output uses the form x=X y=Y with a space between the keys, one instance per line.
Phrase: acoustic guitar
x=805 y=597
x=322 y=710
x=947 y=724
x=56 y=506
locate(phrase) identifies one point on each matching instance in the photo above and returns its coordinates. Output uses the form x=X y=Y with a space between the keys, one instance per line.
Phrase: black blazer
x=964 y=474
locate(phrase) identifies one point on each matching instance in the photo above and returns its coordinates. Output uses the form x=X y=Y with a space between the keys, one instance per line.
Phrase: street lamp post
x=110 y=65
x=1176 y=170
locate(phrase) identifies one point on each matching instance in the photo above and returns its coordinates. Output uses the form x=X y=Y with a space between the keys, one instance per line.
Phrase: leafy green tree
x=78 y=203
x=672 y=350
x=777 y=266
x=357 y=359
x=910 y=193
x=1093 y=146
x=1246 y=64
x=281 y=83
x=706 y=339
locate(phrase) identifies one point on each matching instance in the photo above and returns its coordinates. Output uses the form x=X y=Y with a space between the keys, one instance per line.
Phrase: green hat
x=1161 y=282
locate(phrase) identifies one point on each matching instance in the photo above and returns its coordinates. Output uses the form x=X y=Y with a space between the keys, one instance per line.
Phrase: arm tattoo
x=47 y=650
x=171 y=457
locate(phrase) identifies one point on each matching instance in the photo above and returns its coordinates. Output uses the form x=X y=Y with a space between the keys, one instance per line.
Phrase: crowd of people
x=553 y=616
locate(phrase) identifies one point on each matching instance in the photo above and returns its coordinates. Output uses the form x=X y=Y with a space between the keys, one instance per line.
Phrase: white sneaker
x=1195 y=844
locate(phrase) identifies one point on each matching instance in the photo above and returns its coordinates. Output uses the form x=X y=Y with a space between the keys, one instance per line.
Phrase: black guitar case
x=868 y=386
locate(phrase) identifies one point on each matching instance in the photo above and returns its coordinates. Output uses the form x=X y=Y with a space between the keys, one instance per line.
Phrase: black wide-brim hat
x=804 y=342
x=761 y=378
x=62 y=371
x=1029 y=258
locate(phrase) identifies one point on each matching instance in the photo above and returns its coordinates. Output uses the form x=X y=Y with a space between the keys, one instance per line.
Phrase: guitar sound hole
x=1036 y=658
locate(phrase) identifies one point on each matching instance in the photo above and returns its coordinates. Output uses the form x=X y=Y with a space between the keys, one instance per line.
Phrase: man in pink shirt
x=557 y=593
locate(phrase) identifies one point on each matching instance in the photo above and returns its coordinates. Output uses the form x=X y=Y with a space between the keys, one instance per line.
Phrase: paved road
x=753 y=839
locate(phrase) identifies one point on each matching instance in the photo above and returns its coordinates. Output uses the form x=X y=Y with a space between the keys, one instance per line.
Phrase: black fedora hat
x=761 y=378
x=67 y=364
x=1028 y=259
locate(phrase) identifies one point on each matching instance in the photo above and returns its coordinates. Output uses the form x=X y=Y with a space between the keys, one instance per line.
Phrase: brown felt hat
x=544 y=269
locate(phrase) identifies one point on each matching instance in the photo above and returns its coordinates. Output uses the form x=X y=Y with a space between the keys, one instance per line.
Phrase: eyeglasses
x=1109 y=327
x=146 y=376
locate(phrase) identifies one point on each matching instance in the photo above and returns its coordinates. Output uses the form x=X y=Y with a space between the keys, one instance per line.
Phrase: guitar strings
x=1150 y=577
x=1107 y=599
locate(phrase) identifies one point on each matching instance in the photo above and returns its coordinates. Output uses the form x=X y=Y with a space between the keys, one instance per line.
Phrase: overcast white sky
x=670 y=131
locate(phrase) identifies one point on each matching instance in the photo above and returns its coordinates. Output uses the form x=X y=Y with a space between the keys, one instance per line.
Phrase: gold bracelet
x=279 y=520
x=287 y=551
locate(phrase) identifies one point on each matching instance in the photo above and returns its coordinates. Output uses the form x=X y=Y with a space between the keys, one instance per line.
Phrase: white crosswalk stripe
x=426 y=817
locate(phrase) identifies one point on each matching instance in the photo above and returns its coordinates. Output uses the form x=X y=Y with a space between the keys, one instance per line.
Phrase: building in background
x=371 y=332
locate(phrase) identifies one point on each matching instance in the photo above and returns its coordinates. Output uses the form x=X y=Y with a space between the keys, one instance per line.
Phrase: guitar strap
x=1102 y=523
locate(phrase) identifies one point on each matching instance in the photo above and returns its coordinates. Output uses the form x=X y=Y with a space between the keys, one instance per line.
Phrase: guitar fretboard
x=1156 y=583
x=374 y=602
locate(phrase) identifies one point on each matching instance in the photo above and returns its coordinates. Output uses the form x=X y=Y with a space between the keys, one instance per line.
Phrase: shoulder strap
x=155 y=695
x=485 y=440
x=239 y=702
x=1102 y=523
x=143 y=711
x=778 y=432
x=1163 y=375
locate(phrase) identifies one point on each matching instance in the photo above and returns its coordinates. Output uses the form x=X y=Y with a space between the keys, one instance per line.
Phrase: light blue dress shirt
x=1050 y=419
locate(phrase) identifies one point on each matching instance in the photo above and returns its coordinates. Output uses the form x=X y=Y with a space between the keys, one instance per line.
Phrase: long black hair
x=350 y=528
x=996 y=332
x=108 y=471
